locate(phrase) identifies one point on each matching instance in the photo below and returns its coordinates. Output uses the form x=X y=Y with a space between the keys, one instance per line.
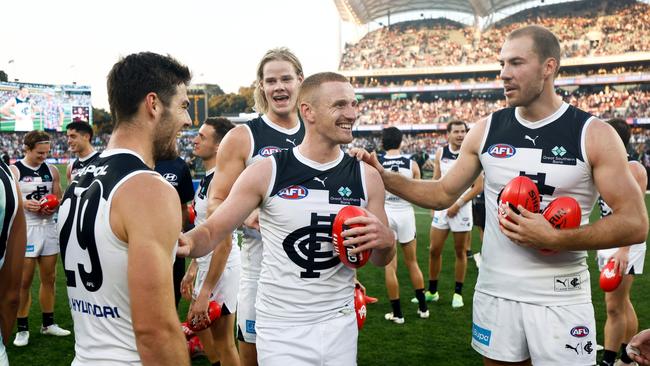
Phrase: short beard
x=164 y=146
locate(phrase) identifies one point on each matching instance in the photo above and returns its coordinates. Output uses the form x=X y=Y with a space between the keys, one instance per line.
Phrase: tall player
x=38 y=179
x=79 y=135
x=401 y=219
x=218 y=341
x=21 y=109
x=305 y=310
x=119 y=221
x=457 y=218
x=13 y=235
x=622 y=324
x=279 y=75
x=530 y=308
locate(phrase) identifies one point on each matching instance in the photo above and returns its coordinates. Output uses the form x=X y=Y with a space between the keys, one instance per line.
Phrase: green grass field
x=443 y=339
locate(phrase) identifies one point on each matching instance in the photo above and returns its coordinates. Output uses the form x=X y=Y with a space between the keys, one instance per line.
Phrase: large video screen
x=26 y=106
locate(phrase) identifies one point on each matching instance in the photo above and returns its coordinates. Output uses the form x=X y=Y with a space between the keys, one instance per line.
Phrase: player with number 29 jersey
x=95 y=261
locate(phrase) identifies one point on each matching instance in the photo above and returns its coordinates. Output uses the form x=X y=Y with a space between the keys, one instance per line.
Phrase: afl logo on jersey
x=268 y=151
x=502 y=151
x=580 y=331
x=293 y=193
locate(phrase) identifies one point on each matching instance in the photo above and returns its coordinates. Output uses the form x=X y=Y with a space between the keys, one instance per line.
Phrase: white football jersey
x=399 y=164
x=266 y=138
x=552 y=153
x=8 y=207
x=201 y=209
x=35 y=183
x=302 y=280
x=95 y=261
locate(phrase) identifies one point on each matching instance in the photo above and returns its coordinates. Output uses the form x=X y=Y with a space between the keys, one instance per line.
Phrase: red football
x=351 y=260
x=189 y=333
x=519 y=191
x=195 y=347
x=214 y=312
x=609 y=277
x=360 y=306
x=50 y=201
x=563 y=213
x=191 y=214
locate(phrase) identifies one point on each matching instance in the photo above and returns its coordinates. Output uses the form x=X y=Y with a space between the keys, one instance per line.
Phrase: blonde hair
x=275 y=54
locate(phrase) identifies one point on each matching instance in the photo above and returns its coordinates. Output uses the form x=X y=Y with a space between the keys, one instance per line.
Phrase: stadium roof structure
x=365 y=11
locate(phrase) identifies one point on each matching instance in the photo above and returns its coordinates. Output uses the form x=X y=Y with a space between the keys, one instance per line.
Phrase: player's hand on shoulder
x=368 y=158
x=253 y=220
x=184 y=245
x=528 y=229
x=372 y=235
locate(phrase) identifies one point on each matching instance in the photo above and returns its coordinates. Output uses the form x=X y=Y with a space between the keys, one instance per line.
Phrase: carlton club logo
x=502 y=151
x=293 y=193
x=268 y=151
x=308 y=246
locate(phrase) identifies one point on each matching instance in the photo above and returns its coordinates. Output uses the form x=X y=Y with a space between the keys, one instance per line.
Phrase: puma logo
x=292 y=142
x=568 y=346
x=531 y=139
x=322 y=181
x=562 y=282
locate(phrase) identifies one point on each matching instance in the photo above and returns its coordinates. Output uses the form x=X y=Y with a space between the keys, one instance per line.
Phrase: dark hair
x=622 y=129
x=391 y=138
x=33 y=138
x=313 y=82
x=138 y=74
x=81 y=127
x=451 y=124
x=221 y=126
x=545 y=43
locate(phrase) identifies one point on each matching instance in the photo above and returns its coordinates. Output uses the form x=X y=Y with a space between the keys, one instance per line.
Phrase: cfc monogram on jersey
x=302 y=279
x=95 y=260
x=35 y=183
x=551 y=152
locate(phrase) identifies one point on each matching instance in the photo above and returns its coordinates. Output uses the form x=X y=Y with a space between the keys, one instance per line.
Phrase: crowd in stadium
x=615 y=27
x=606 y=104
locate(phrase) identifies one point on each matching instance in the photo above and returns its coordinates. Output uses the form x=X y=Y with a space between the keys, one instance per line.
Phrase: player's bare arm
x=231 y=161
x=7 y=107
x=28 y=205
x=246 y=195
x=628 y=224
x=435 y=194
x=187 y=283
x=415 y=168
x=151 y=235
x=11 y=272
x=375 y=234
x=437 y=173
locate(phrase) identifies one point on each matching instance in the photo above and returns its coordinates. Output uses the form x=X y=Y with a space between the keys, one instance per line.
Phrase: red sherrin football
x=360 y=306
x=519 y=191
x=609 y=278
x=563 y=213
x=350 y=260
x=50 y=201
x=214 y=312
